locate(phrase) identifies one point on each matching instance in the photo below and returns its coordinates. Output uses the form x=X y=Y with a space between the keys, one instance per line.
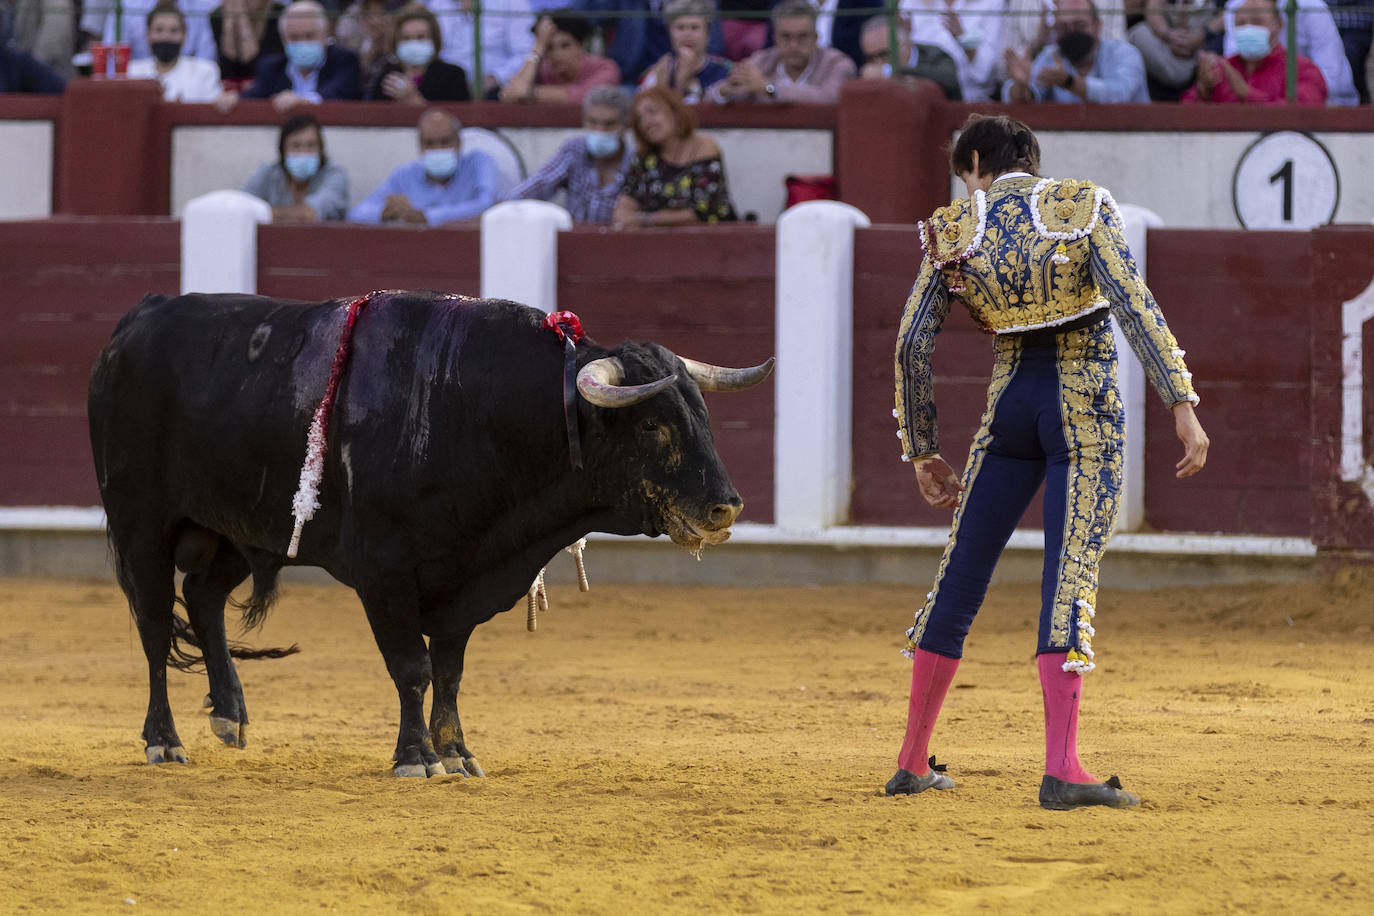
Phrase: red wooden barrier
x=334 y=260
x=66 y=282
x=1343 y=267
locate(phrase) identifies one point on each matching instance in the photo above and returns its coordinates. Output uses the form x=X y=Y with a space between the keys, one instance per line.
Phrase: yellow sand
x=666 y=749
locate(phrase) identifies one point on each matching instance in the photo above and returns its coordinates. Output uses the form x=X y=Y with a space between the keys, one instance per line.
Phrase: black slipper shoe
x=1058 y=795
x=906 y=782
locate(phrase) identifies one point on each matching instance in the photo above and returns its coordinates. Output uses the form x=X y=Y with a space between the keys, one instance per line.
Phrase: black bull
x=447 y=482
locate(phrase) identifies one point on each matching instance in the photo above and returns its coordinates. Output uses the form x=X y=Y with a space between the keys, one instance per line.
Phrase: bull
x=447 y=482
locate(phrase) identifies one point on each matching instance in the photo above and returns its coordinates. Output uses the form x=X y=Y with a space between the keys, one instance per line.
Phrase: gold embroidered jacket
x=1030 y=253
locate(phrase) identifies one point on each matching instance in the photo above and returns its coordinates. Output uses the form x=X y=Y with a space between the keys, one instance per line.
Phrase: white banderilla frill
x=538 y=597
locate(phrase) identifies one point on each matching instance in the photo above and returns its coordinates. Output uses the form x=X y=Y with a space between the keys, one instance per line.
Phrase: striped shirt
x=571 y=169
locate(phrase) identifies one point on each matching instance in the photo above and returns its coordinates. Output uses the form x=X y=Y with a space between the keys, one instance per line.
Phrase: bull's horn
x=599 y=383
x=719 y=378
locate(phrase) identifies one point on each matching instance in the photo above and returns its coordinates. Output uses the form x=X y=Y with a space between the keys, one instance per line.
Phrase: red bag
x=801 y=188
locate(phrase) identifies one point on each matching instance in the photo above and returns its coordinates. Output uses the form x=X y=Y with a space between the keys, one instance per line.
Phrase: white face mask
x=1252 y=41
x=441 y=163
x=415 y=53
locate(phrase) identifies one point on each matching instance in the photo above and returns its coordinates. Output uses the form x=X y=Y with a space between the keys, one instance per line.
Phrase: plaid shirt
x=572 y=170
x=1351 y=14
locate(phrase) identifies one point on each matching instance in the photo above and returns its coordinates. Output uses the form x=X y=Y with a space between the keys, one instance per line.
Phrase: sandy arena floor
x=668 y=749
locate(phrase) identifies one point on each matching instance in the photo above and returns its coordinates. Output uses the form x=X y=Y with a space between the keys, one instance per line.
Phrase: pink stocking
x=1061 y=690
x=930 y=677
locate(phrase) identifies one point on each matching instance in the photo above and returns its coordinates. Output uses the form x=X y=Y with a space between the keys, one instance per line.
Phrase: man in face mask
x=311 y=70
x=591 y=166
x=183 y=78
x=443 y=186
x=1081 y=65
x=1257 y=72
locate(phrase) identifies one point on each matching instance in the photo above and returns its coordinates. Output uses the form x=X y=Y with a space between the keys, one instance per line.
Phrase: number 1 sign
x=1285 y=180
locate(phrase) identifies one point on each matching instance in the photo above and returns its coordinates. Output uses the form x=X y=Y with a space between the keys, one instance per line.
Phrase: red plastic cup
x=121 y=59
x=100 y=56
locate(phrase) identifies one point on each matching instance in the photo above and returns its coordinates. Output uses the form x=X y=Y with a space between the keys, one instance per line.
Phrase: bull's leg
x=395 y=622
x=206 y=590
x=146 y=577
x=446 y=658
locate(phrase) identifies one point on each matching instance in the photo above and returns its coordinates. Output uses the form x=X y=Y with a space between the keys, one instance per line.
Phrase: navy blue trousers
x=1054 y=416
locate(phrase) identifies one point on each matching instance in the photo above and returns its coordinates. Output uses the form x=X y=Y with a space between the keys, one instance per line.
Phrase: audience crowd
x=640 y=68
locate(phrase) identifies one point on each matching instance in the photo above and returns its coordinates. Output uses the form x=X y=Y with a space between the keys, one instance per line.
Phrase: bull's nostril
x=724 y=515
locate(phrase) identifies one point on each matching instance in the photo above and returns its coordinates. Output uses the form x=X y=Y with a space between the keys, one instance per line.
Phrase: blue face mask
x=306 y=55
x=601 y=145
x=441 y=163
x=302 y=166
x=1252 y=41
x=415 y=53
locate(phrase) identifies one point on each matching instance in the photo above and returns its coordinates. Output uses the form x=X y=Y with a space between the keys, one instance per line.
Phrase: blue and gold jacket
x=1029 y=253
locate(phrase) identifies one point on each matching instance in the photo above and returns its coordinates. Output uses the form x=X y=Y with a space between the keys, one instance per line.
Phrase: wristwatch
x=770 y=90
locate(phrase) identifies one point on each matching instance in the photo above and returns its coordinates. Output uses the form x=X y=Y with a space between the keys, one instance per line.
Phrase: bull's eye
x=649 y=426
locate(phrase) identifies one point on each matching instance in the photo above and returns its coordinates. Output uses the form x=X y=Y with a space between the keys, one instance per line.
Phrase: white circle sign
x=1285 y=180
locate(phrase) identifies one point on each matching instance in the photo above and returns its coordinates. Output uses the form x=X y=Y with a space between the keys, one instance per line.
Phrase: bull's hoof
x=158 y=753
x=467 y=766
x=234 y=734
x=418 y=770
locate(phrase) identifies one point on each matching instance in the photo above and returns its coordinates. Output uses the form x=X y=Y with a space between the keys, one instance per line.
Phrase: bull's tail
x=264 y=594
x=184 y=660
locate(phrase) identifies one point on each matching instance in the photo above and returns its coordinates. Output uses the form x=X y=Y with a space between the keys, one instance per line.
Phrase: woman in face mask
x=302 y=186
x=559 y=69
x=183 y=79
x=413 y=72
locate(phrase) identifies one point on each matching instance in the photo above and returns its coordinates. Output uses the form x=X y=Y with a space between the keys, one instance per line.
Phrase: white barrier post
x=219 y=242
x=520 y=252
x=815 y=351
x=1131 y=378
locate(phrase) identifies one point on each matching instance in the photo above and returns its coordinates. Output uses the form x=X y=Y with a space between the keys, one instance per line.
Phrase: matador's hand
x=1194 y=440
x=937 y=481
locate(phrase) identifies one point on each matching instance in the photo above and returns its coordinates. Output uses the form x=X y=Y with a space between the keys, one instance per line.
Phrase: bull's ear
x=599 y=383
x=719 y=378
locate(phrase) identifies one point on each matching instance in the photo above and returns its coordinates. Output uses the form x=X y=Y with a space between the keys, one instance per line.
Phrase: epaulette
x=951 y=231
x=1067 y=210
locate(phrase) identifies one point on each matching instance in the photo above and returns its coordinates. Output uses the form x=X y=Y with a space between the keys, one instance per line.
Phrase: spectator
x=591 y=167
x=302 y=186
x=413 y=73
x=311 y=70
x=20 y=72
x=1026 y=27
x=1318 y=40
x=744 y=27
x=183 y=79
x=970 y=32
x=922 y=61
x=43 y=29
x=1257 y=74
x=366 y=30
x=1081 y=66
x=1355 y=23
x=98 y=21
x=688 y=68
x=443 y=186
x=795 y=69
x=246 y=32
x=636 y=39
x=506 y=38
x=677 y=177
x=1169 y=39
x=559 y=69
x=838 y=25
